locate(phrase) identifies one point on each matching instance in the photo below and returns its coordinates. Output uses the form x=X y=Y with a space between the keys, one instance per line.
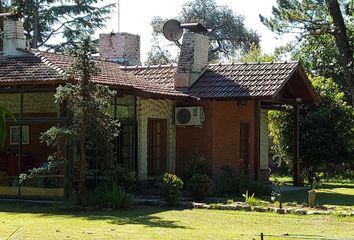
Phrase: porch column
x=256 y=137
x=296 y=160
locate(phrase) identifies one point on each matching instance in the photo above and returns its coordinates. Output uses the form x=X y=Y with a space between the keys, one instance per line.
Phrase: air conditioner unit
x=189 y=116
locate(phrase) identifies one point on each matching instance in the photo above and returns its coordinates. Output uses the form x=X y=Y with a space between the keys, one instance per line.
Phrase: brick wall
x=13 y=37
x=193 y=59
x=162 y=109
x=219 y=138
x=121 y=47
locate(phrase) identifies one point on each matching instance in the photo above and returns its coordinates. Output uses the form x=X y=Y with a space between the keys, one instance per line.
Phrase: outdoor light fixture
x=241 y=103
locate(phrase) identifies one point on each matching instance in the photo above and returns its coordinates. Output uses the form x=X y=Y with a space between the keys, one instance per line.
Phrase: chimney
x=14 y=37
x=123 y=48
x=193 y=59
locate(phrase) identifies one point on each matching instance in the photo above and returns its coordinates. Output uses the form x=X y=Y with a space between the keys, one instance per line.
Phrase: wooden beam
x=296 y=157
x=256 y=137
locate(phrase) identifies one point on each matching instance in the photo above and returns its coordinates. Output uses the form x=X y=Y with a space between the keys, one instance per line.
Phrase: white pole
x=118 y=15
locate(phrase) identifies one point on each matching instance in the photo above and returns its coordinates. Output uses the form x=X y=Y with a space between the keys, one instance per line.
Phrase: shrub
x=198 y=164
x=115 y=197
x=256 y=187
x=200 y=185
x=227 y=183
x=170 y=187
x=122 y=177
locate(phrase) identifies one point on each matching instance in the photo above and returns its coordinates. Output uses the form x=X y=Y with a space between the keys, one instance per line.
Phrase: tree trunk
x=82 y=163
x=35 y=26
x=342 y=42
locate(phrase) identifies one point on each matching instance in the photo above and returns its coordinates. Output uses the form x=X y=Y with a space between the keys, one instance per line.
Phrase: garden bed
x=288 y=208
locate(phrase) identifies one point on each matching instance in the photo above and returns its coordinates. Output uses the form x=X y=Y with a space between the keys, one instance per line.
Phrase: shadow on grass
x=322 y=198
x=140 y=215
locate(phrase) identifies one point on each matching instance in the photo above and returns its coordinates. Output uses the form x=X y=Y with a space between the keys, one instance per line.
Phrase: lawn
x=337 y=194
x=47 y=222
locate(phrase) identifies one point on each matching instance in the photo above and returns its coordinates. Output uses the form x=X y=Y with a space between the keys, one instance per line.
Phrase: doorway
x=157 y=141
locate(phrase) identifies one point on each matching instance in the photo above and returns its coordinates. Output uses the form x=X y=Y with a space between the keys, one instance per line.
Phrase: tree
x=315 y=19
x=327 y=131
x=255 y=54
x=4 y=114
x=157 y=55
x=228 y=34
x=48 y=19
x=91 y=124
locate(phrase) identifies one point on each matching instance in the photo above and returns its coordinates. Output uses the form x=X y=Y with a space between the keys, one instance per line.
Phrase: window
x=244 y=147
x=15 y=135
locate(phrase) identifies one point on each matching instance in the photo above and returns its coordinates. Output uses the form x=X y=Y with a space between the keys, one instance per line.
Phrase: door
x=157 y=146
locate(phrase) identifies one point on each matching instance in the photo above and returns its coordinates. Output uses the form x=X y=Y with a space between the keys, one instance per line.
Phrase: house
x=155 y=104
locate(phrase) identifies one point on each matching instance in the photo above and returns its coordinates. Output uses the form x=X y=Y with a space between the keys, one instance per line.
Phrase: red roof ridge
x=149 y=66
x=252 y=63
x=50 y=64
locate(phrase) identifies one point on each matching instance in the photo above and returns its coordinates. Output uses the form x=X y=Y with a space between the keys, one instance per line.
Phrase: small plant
x=250 y=199
x=200 y=185
x=229 y=201
x=277 y=196
x=170 y=187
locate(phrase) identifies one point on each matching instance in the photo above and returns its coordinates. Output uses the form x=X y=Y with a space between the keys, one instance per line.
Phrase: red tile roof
x=218 y=81
x=26 y=70
x=243 y=80
x=224 y=81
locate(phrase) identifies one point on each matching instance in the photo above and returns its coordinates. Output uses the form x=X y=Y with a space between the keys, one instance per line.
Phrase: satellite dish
x=172 y=30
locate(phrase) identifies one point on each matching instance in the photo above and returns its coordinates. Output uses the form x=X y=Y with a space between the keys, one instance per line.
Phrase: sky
x=136 y=15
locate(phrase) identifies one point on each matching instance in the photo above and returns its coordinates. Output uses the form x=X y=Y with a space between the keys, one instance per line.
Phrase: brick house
x=231 y=103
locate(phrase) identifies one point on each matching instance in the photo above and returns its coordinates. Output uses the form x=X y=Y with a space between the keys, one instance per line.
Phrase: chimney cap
x=195 y=27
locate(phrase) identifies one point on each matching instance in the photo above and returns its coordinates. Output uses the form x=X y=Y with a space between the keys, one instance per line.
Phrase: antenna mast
x=118 y=15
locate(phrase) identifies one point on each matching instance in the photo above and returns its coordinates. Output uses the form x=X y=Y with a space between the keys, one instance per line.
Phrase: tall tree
x=66 y=19
x=318 y=18
x=91 y=124
x=228 y=34
x=327 y=133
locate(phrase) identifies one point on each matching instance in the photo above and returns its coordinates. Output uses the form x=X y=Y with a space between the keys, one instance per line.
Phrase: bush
x=198 y=164
x=200 y=185
x=257 y=187
x=170 y=187
x=228 y=183
x=122 y=177
x=115 y=197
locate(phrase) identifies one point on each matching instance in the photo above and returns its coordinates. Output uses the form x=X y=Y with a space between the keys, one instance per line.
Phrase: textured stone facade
x=13 y=37
x=32 y=102
x=158 y=109
x=264 y=143
x=193 y=59
x=121 y=47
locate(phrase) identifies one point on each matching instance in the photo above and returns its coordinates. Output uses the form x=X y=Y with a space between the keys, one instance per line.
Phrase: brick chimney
x=123 y=48
x=193 y=59
x=14 y=37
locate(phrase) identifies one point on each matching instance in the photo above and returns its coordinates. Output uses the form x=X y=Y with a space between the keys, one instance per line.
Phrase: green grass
x=337 y=194
x=44 y=222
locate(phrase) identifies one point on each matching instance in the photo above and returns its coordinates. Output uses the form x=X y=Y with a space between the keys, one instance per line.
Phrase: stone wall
x=121 y=47
x=264 y=143
x=161 y=109
x=32 y=102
